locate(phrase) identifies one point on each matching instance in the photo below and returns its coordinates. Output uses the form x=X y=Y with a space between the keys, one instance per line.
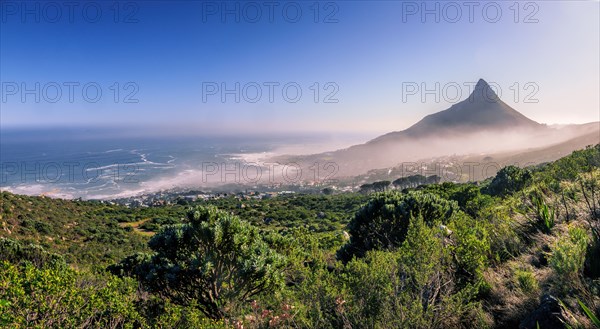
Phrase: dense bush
x=215 y=262
x=414 y=181
x=86 y=233
x=468 y=196
x=383 y=222
x=415 y=286
x=568 y=254
x=412 y=287
x=49 y=294
x=15 y=252
x=508 y=180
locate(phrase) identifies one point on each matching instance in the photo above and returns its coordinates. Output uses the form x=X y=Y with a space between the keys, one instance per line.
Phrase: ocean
x=108 y=164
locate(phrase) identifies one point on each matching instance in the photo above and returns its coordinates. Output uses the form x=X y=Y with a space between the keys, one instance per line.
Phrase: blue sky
x=362 y=54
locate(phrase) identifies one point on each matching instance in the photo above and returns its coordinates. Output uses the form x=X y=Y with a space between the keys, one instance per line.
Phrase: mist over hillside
x=480 y=124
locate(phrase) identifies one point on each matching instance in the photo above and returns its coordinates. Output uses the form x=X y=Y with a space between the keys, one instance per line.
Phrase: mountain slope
x=482 y=123
x=482 y=110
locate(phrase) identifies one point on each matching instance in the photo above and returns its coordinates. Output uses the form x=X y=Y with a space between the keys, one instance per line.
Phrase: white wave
x=258 y=157
x=103 y=167
x=117 y=165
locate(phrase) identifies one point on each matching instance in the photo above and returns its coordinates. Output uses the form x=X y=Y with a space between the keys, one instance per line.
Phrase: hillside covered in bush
x=521 y=249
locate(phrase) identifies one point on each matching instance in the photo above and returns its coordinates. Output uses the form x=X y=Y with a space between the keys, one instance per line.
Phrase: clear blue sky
x=170 y=50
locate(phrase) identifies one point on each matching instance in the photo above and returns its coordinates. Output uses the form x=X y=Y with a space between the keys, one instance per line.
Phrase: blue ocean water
x=103 y=164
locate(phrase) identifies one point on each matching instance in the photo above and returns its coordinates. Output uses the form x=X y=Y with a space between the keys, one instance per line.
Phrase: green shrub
x=383 y=222
x=162 y=313
x=526 y=280
x=16 y=252
x=150 y=226
x=216 y=262
x=60 y=297
x=508 y=180
x=470 y=247
x=545 y=214
x=411 y=287
x=568 y=254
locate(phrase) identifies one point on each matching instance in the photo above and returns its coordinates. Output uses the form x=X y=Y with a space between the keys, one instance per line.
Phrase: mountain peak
x=484 y=92
x=481 y=84
x=482 y=110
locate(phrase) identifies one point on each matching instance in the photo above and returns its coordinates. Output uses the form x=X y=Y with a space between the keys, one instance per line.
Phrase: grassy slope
x=85 y=232
x=100 y=234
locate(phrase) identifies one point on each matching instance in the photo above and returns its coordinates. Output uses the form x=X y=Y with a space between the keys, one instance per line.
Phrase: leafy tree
x=509 y=180
x=366 y=188
x=327 y=191
x=381 y=186
x=215 y=262
x=435 y=179
x=382 y=223
x=415 y=180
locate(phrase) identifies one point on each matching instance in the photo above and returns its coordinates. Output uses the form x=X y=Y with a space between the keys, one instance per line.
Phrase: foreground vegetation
x=520 y=249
